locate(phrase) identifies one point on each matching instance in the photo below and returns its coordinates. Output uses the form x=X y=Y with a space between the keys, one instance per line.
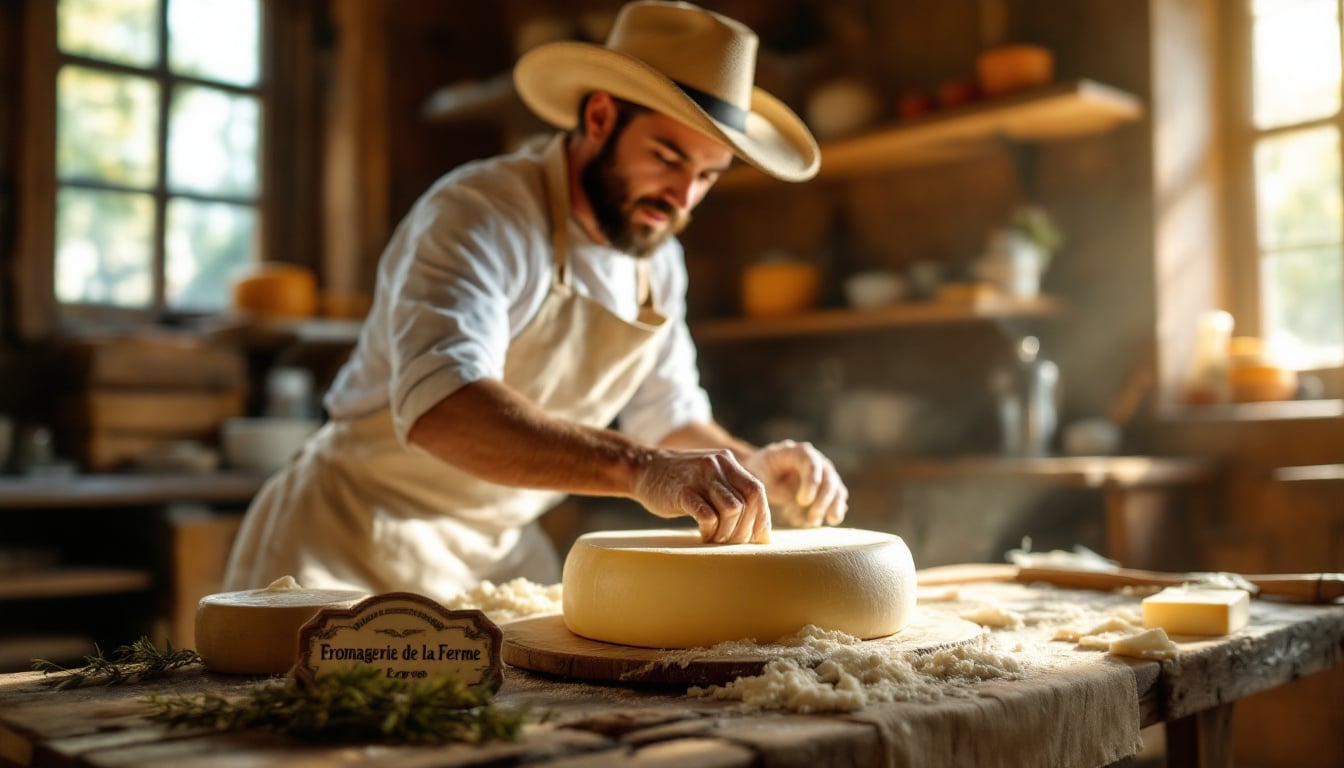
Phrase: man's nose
x=680 y=191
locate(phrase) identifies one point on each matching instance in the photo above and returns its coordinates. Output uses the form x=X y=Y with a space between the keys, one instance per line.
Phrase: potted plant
x=1017 y=255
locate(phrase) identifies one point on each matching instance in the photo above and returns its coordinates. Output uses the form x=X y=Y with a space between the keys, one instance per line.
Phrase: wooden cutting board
x=543 y=644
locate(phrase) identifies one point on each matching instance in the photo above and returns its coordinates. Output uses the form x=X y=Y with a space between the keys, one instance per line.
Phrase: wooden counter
x=126 y=490
x=579 y=724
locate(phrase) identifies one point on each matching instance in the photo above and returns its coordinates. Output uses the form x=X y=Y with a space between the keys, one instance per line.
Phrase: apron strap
x=556 y=182
x=643 y=289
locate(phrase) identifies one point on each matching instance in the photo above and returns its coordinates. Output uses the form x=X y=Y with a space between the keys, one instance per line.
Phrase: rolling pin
x=1302 y=587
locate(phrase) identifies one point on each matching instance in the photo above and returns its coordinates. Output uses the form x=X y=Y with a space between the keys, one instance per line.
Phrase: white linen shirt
x=468 y=268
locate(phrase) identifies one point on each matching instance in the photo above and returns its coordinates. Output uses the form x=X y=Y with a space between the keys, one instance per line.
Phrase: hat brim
x=552 y=79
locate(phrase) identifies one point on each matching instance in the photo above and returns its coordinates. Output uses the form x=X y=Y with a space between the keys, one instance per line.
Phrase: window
x=158 y=138
x=1291 y=276
x=158 y=126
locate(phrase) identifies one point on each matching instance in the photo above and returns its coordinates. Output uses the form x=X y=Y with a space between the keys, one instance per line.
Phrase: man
x=525 y=303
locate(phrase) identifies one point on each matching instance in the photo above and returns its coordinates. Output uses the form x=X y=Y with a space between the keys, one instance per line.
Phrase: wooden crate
x=155 y=362
x=165 y=413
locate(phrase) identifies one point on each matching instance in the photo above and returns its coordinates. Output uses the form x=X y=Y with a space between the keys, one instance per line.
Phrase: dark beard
x=609 y=196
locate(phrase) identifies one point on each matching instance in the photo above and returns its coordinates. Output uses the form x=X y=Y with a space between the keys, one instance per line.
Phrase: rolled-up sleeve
x=450 y=323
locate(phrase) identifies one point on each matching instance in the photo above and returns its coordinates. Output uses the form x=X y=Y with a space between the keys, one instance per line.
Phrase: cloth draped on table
x=1086 y=714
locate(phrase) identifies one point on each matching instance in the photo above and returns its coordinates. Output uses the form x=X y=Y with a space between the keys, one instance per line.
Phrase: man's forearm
x=706 y=434
x=488 y=429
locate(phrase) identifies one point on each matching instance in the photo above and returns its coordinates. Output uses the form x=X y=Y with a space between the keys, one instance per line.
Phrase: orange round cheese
x=1009 y=68
x=774 y=288
x=275 y=290
x=668 y=589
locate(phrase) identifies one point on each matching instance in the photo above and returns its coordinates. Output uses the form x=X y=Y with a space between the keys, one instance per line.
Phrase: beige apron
x=357 y=510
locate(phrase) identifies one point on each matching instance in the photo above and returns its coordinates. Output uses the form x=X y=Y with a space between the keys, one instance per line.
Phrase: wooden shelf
x=1060 y=471
x=251 y=333
x=1051 y=113
x=490 y=99
x=69 y=582
x=80 y=491
x=837 y=321
x=1312 y=474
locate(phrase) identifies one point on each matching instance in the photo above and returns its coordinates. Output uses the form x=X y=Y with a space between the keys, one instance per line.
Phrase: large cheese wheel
x=256 y=631
x=667 y=589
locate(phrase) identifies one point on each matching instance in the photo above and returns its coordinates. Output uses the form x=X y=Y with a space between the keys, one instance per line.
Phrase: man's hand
x=710 y=486
x=801 y=484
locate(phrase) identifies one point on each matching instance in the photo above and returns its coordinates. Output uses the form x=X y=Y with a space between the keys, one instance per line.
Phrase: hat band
x=725 y=112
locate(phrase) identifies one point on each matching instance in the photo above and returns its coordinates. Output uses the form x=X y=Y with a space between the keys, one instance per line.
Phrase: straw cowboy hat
x=681 y=60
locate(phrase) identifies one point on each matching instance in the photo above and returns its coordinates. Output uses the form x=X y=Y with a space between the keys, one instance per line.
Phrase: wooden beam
x=34 y=276
x=356 y=198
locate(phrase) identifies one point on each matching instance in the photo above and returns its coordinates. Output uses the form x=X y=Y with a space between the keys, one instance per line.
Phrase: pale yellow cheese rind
x=1193 y=611
x=256 y=631
x=667 y=589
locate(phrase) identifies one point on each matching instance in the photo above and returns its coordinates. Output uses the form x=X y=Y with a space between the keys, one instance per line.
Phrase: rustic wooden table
x=581 y=724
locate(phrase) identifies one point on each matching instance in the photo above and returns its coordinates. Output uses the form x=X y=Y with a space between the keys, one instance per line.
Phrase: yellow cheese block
x=1195 y=611
x=668 y=589
x=256 y=631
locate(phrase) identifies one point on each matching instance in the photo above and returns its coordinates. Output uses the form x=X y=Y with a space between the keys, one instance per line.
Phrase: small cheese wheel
x=256 y=631
x=668 y=589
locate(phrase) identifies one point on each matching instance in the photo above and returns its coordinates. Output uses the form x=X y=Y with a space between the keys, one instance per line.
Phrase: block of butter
x=1197 y=611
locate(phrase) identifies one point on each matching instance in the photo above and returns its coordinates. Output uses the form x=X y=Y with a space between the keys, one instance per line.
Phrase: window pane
x=124 y=31
x=206 y=243
x=212 y=142
x=1302 y=306
x=1297 y=188
x=215 y=40
x=106 y=126
x=1296 y=55
x=104 y=247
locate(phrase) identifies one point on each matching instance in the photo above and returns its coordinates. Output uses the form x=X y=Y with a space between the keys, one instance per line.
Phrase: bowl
x=774 y=288
x=1009 y=68
x=264 y=445
x=869 y=290
x=841 y=108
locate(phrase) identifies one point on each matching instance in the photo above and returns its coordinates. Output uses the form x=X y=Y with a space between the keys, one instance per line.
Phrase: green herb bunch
x=1039 y=227
x=355 y=703
x=141 y=660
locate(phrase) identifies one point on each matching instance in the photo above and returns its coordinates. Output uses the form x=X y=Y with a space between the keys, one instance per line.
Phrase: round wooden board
x=544 y=644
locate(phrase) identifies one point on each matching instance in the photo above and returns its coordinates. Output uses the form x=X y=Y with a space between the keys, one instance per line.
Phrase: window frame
x=1242 y=135
x=290 y=152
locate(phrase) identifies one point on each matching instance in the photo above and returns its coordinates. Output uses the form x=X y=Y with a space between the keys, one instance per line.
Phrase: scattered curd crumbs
x=1150 y=644
x=1112 y=625
x=993 y=616
x=854 y=675
x=512 y=600
x=943 y=595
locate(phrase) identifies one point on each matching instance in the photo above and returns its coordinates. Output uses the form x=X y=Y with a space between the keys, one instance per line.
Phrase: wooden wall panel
x=1188 y=179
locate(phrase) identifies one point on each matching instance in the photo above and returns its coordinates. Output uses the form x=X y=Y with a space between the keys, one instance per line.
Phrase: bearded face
x=621 y=213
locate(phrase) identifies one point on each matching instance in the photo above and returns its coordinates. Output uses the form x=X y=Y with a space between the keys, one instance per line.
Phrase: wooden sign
x=408 y=636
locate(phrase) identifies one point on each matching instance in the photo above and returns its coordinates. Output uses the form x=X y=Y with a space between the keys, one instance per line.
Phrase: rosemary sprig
x=141 y=660
x=355 y=703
